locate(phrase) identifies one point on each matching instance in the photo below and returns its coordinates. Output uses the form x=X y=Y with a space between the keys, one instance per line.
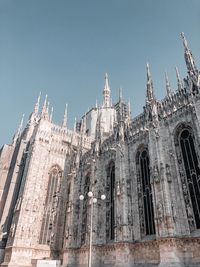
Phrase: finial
x=149 y=94
x=48 y=104
x=51 y=115
x=148 y=72
x=44 y=108
x=120 y=94
x=184 y=40
x=96 y=105
x=64 y=124
x=106 y=93
x=168 y=87
x=190 y=63
x=106 y=81
x=179 y=81
x=37 y=105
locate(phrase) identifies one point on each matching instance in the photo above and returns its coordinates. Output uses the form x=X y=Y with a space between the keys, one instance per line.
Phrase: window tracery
x=145 y=202
x=85 y=209
x=189 y=170
x=51 y=206
x=110 y=203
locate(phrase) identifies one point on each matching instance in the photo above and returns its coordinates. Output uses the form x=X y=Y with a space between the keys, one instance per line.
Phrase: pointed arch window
x=85 y=209
x=51 y=206
x=145 y=201
x=190 y=174
x=110 y=211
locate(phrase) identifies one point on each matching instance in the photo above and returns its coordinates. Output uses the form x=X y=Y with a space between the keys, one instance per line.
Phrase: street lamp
x=92 y=201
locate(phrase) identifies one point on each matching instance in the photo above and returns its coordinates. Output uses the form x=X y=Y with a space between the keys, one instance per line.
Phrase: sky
x=63 y=48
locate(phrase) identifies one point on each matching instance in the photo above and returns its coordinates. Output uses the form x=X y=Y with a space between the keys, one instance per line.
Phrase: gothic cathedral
x=112 y=191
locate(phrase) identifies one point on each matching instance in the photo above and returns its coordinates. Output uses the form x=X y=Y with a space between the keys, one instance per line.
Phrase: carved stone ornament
x=156 y=175
x=160 y=211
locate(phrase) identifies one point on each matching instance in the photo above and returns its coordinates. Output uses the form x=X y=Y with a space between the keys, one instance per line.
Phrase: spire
x=168 y=87
x=45 y=108
x=48 y=105
x=179 y=81
x=37 y=105
x=192 y=69
x=106 y=93
x=19 y=131
x=150 y=94
x=51 y=115
x=65 y=117
x=120 y=94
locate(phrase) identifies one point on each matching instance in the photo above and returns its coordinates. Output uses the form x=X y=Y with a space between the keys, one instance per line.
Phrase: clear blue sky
x=64 y=47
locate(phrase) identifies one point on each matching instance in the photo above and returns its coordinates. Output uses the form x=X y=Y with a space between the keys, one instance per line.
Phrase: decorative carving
x=160 y=212
x=184 y=134
x=156 y=175
x=168 y=173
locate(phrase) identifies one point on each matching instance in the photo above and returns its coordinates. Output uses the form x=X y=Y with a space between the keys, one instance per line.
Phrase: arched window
x=51 y=206
x=85 y=209
x=189 y=173
x=110 y=211
x=146 y=212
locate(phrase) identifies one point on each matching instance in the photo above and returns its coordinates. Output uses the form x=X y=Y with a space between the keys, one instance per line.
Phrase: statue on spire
x=192 y=69
x=149 y=94
x=37 y=105
x=45 y=108
x=179 y=81
x=168 y=87
x=106 y=93
x=64 y=124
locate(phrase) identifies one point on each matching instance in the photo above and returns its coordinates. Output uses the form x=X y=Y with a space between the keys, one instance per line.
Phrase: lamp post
x=92 y=201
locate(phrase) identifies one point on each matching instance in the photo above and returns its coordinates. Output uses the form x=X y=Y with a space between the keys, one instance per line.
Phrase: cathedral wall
x=12 y=184
x=114 y=255
x=5 y=160
x=42 y=155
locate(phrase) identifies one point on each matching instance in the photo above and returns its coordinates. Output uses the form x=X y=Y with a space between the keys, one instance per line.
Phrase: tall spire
x=51 y=115
x=37 y=105
x=192 y=69
x=150 y=94
x=179 y=81
x=106 y=93
x=45 y=107
x=168 y=87
x=65 y=117
x=120 y=94
x=19 y=131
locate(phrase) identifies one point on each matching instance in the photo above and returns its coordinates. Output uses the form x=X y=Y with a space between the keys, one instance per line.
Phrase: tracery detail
x=146 y=212
x=189 y=173
x=52 y=202
x=110 y=203
x=85 y=210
